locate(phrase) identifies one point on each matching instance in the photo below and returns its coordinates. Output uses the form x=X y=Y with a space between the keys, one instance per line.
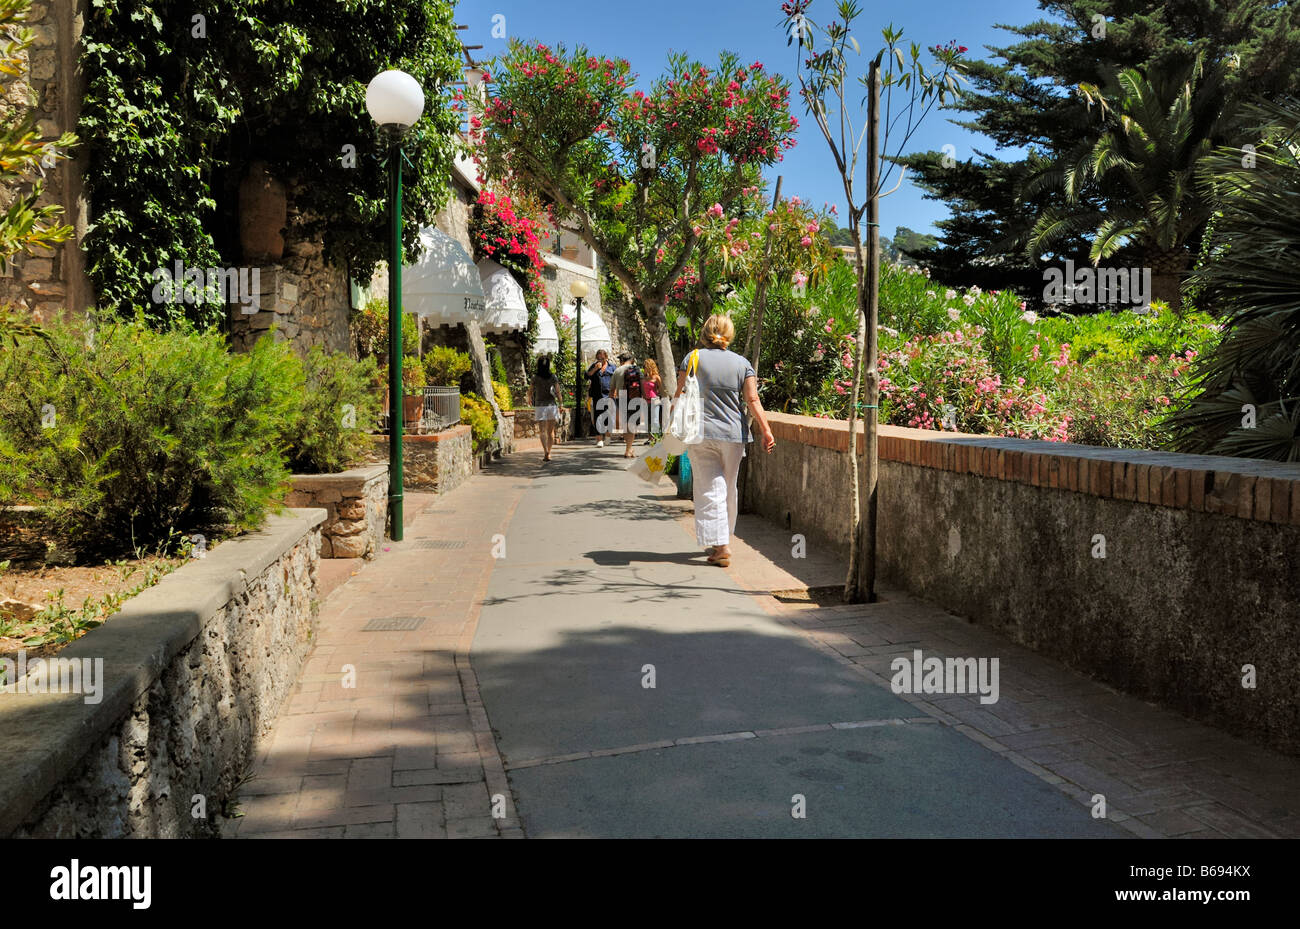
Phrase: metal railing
x=441 y=408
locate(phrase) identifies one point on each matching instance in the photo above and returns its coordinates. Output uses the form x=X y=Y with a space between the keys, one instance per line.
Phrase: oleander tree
x=836 y=100
x=634 y=173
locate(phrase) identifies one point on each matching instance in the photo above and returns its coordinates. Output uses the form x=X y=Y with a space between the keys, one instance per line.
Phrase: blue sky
x=645 y=32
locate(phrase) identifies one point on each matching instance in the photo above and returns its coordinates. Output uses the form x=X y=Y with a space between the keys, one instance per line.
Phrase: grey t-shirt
x=722 y=376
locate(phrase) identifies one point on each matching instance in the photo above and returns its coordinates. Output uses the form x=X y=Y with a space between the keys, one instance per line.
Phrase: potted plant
x=444 y=369
x=413 y=381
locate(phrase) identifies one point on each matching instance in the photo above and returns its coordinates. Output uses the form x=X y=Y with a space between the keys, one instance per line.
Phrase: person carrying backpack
x=626 y=390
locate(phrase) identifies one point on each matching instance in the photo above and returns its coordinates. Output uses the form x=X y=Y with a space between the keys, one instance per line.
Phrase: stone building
x=50 y=282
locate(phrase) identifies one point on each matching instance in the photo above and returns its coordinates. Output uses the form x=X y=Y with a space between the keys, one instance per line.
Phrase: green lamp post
x=395 y=102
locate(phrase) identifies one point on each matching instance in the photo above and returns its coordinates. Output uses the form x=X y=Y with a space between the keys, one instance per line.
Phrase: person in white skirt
x=544 y=397
x=727 y=386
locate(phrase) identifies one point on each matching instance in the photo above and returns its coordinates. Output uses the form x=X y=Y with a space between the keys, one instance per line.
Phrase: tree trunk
x=1168 y=268
x=663 y=345
x=860 y=585
x=482 y=371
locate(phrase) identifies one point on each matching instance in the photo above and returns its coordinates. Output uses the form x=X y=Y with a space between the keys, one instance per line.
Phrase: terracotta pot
x=412 y=409
x=263 y=215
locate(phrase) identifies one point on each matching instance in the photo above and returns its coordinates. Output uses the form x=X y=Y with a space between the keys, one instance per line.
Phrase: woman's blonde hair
x=718 y=331
x=651 y=369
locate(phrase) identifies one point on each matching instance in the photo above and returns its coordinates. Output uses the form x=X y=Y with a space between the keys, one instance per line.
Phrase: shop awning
x=548 y=339
x=595 y=334
x=444 y=284
x=505 y=309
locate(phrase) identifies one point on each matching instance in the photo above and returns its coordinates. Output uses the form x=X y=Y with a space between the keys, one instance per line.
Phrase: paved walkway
x=633 y=690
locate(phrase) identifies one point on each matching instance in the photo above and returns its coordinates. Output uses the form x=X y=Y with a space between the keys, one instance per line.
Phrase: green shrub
x=477 y=413
x=413 y=379
x=369 y=327
x=502 y=395
x=498 y=366
x=1124 y=335
x=341 y=403
x=145 y=432
x=445 y=366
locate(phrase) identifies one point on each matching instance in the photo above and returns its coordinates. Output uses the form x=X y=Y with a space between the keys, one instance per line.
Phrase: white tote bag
x=650 y=465
x=687 y=427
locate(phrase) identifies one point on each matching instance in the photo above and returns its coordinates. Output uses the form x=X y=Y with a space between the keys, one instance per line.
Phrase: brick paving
x=409 y=751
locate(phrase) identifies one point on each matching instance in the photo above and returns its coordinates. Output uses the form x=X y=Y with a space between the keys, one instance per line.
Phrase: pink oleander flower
x=715 y=210
x=805 y=241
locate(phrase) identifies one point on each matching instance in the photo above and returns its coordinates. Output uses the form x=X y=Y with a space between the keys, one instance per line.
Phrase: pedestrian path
x=578 y=670
x=403 y=748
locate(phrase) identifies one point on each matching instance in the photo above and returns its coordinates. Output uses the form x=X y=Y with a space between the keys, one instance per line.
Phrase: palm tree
x=1248 y=389
x=1157 y=128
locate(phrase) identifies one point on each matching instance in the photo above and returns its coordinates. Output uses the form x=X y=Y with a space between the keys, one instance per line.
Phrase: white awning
x=548 y=339
x=595 y=334
x=443 y=285
x=505 y=309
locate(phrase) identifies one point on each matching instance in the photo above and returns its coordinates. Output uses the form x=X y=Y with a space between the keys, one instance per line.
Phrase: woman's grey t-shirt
x=722 y=374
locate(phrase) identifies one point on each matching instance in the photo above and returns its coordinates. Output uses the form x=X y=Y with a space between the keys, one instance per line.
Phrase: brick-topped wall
x=1244 y=488
x=1162 y=574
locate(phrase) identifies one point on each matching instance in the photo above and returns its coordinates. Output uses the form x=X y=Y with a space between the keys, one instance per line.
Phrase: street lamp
x=579 y=290
x=395 y=101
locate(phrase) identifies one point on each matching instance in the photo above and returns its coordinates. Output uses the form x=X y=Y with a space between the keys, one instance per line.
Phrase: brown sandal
x=723 y=562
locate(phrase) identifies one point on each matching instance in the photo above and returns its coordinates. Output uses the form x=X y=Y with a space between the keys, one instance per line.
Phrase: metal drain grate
x=393 y=624
x=438 y=543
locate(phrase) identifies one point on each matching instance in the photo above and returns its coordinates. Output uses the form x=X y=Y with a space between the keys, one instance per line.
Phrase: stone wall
x=51 y=280
x=356 y=504
x=1164 y=575
x=308 y=299
x=438 y=462
x=194 y=671
x=526 y=426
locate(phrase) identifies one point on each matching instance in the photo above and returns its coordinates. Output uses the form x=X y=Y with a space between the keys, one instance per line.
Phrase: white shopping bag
x=650 y=464
x=687 y=426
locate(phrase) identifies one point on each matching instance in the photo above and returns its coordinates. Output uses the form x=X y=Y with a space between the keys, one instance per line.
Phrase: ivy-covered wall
x=183 y=95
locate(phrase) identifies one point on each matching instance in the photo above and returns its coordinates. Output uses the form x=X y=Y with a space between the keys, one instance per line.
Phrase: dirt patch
x=45 y=608
x=816 y=596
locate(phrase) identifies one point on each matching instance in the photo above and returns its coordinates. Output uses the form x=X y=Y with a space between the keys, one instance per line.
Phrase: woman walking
x=652 y=388
x=544 y=398
x=727 y=386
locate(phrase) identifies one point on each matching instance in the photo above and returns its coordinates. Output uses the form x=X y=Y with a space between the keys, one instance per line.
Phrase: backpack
x=632 y=382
